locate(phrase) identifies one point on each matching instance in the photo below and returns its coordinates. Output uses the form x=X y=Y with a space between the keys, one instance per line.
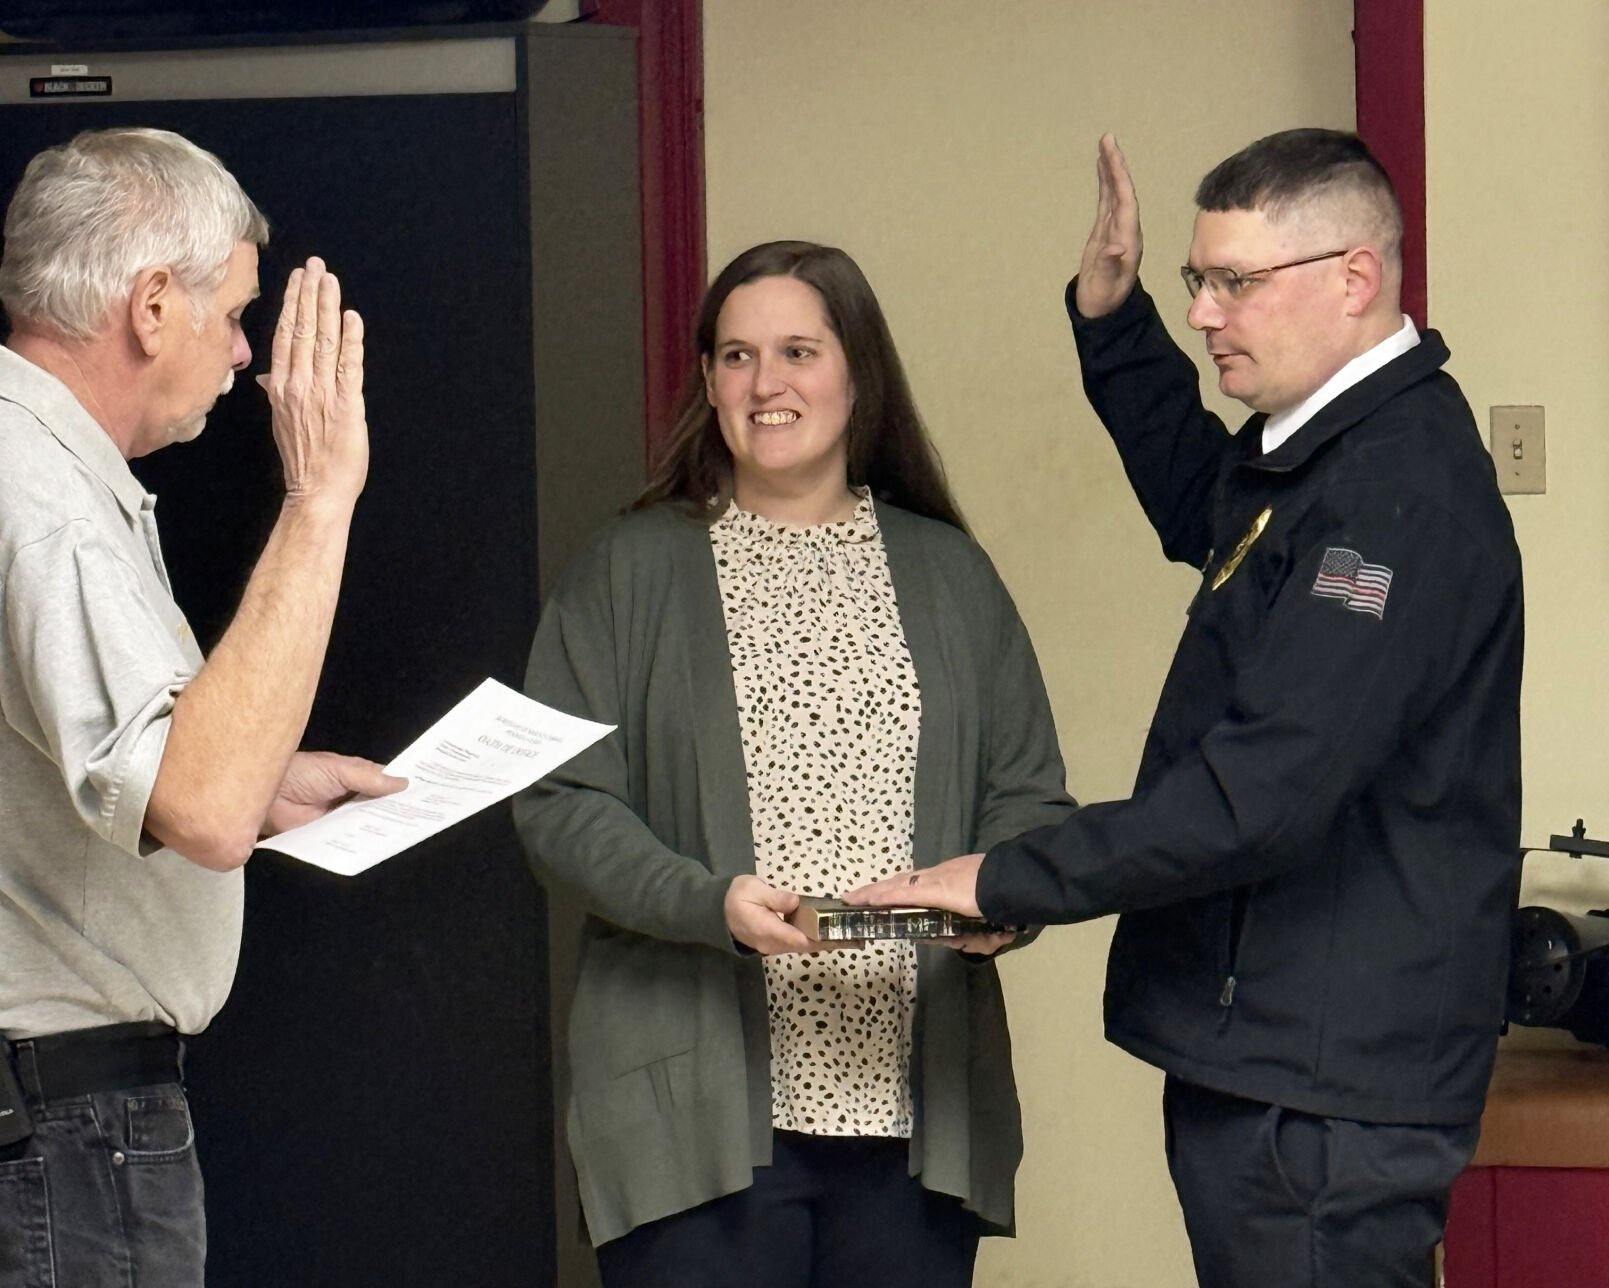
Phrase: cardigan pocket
x=635 y=1004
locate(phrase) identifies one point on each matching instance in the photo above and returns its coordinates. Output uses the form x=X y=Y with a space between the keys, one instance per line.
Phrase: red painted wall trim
x=670 y=66
x=1389 y=47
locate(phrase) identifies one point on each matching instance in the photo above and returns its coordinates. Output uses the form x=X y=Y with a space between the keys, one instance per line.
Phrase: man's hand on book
x=952 y=884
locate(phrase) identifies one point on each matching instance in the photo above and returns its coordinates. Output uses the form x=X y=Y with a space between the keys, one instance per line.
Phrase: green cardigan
x=669 y=1042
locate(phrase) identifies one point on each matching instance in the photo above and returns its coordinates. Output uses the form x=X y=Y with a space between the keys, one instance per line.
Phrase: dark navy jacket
x=1317 y=865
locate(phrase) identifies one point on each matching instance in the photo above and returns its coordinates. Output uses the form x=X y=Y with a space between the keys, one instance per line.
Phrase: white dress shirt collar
x=1281 y=425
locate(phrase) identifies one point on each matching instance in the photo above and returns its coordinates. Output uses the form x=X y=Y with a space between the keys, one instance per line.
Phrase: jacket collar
x=1349 y=407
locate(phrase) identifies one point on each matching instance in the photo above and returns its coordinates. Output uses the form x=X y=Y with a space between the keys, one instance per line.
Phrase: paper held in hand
x=492 y=744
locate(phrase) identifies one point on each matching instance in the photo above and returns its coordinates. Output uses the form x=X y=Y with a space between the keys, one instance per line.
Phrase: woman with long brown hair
x=816 y=678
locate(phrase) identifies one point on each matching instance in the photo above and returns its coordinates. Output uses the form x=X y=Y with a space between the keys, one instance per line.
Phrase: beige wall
x=1517 y=195
x=949 y=146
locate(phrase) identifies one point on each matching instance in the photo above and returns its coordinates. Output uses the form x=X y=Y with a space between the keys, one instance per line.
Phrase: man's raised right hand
x=1111 y=263
x=315 y=388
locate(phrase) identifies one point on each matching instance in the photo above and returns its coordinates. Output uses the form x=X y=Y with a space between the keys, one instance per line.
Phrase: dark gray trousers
x=1274 y=1198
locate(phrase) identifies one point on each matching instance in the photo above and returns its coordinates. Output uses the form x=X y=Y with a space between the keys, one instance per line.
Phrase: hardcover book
x=833 y=921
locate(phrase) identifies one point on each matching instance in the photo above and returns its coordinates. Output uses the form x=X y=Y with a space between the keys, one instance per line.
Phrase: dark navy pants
x=1274 y=1198
x=105 y=1194
x=830 y=1212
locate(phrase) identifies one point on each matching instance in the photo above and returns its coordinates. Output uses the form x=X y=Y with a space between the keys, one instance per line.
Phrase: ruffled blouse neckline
x=859 y=527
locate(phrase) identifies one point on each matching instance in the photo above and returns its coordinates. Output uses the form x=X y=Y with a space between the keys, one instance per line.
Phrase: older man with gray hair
x=136 y=776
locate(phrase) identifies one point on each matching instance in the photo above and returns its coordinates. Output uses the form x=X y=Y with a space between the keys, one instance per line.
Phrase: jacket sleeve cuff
x=993 y=894
x=1131 y=312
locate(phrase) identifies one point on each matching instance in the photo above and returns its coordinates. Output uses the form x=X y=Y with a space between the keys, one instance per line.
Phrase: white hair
x=90 y=215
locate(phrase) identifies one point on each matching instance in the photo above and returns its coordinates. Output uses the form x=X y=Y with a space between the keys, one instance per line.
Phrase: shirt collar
x=1280 y=426
x=54 y=406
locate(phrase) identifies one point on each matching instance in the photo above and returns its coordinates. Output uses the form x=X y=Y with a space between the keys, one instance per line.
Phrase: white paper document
x=491 y=745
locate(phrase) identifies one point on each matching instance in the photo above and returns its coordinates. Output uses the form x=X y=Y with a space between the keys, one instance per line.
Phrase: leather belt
x=109 y=1058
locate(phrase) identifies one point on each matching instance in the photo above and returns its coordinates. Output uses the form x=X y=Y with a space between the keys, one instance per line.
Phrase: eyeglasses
x=1225 y=285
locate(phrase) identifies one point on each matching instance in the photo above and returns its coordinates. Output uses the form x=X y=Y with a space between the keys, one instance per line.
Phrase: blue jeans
x=105 y=1194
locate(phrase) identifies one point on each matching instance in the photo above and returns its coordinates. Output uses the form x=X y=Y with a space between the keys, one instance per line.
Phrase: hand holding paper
x=492 y=744
x=316 y=782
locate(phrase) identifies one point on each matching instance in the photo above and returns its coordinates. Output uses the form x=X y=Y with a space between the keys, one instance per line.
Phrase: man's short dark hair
x=1296 y=168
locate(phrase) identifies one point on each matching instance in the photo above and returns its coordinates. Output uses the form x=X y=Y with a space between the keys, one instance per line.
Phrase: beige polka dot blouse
x=829 y=707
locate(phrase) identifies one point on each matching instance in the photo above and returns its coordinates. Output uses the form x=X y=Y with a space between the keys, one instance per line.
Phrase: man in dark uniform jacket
x=1316 y=867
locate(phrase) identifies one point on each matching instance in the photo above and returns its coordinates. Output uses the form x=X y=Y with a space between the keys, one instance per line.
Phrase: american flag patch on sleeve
x=1360 y=586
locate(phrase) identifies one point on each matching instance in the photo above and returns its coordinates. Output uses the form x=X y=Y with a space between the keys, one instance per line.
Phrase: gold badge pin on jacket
x=1242 y=546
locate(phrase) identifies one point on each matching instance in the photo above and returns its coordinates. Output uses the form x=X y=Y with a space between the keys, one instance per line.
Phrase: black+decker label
x=69 y=87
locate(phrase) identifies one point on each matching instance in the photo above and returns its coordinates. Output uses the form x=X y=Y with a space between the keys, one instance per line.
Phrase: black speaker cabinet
x=374 y=1103
x=103 y=20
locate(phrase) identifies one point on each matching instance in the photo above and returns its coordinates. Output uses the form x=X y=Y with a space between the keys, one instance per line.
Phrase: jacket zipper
x=1241 y=902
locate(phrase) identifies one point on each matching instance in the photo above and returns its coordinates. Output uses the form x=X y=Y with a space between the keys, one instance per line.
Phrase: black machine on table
x=1558 y=969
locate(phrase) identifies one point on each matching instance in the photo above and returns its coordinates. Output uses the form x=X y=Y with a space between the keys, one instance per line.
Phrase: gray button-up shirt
x=97 y=924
